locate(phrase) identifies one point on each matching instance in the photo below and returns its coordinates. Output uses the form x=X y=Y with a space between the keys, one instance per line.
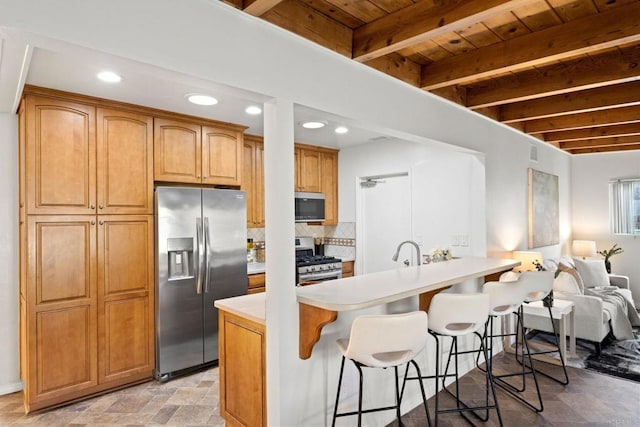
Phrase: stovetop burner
x=306 y=260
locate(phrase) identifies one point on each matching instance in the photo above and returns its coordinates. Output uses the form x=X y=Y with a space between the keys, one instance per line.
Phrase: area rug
x=618 y=358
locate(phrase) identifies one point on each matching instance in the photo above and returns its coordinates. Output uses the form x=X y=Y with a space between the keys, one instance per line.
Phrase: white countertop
x=353 y=293
x=250 y=306
x=256 y=267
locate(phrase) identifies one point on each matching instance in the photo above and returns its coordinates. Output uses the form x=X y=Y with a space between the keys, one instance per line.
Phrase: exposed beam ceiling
x=564 y=71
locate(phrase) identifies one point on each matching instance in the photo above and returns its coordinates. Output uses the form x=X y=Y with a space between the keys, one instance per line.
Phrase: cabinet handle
x=93 y=206
x=93 y=222
x=101 y=222
x=101 y=207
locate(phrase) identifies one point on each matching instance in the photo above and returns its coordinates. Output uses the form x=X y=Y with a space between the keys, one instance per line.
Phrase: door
x=179 y=301
x=225 y=231
x=386 y=217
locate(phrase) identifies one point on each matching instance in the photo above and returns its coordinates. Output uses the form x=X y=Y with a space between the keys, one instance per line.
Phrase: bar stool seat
x=383 y=341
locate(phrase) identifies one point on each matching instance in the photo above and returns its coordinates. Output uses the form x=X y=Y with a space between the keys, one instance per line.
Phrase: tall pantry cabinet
x=86 y=247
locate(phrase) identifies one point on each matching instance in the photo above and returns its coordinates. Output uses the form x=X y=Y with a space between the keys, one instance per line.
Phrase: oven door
x=316 y=277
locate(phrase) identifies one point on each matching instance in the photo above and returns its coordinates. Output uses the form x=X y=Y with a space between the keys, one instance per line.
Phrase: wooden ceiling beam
x=593 y=133
x=420 y=22
x=399 y=67
x=306 y=22
x=605 y=149
x=560 y=42
x=259 y=7
x=612 y=117
x=616 y=66
x=600 y=142
x=620 y=95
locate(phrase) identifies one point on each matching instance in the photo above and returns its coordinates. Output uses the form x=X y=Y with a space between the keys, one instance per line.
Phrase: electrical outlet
x=464 y=240
x=455 y=241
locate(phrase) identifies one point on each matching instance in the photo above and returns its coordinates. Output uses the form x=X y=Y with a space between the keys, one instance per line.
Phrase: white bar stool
x=507 y=298
x=455 y=315
x=537 y=290
x=383 y=341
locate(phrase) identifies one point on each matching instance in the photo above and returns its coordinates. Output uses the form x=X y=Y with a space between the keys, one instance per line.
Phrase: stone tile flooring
x=590 y=399
x=186 y=401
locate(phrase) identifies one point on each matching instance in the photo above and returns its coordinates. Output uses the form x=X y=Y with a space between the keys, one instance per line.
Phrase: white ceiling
x=74 y=70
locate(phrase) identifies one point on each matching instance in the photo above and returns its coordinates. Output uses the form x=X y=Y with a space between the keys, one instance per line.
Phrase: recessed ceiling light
x=313 y=124
x=109 y=76
x=200 y=99
x=341 y=130
x=253 y=110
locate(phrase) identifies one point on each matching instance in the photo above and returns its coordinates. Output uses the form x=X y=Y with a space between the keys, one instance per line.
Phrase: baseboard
x=10 y=388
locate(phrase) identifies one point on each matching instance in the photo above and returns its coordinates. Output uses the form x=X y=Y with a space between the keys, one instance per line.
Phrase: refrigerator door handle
x=207 y=254
x=200 y=246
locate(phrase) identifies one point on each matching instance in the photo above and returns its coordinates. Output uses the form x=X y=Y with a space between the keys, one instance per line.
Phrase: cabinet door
x=221 y=156
x=125 y=162
x=61 y=309
x=258 y=185
x=125 y=297
x=329 y=186
x=177 y=151
x=248 y=160
x=309 y=175
x=60 y=156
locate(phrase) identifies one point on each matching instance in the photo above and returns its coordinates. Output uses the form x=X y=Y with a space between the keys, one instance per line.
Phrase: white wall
x=213 y=41
x=9 y=303
x=590 y=175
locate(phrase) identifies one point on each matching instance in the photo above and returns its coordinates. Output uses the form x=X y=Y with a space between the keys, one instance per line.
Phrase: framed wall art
x=544 y=211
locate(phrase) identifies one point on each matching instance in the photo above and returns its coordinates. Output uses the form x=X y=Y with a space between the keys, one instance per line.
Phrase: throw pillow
x=592 y=271
x=566 y=284
x=509 y=276
x=572 y=271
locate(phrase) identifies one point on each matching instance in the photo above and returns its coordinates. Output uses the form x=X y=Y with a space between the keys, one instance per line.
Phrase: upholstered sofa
x=592 y=321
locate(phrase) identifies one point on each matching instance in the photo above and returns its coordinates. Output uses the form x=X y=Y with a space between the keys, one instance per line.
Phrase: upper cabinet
x=329 y=185
x=307 y=169
x=189 y=153
x=84 y=160
x=60 y=153
x=253 y=179
x=125 y=162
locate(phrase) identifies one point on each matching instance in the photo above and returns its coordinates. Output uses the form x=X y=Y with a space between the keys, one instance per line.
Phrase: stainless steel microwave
x=309 y=207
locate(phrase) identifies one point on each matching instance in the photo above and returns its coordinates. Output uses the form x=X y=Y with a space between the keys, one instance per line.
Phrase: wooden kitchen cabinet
x=242 y=371
x=60 y=334
x=189 y=153
x=81 y=159
x=329 y=185
x=348 y=269
x=60 y=155
x=257 y=283
x=308 y=169
x=253 y=179
x=125 y=162
x=125 y=297
x=88 y=306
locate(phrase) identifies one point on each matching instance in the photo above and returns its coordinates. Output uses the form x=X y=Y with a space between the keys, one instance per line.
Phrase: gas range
x=311 y=268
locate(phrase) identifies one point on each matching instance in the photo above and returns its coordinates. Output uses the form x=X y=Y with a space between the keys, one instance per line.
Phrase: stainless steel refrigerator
x=201 y=256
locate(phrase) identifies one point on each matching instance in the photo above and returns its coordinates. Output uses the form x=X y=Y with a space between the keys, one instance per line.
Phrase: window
x=624 y=206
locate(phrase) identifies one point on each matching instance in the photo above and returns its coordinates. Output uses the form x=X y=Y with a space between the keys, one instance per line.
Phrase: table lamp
x=526 y=259
x=583 y=248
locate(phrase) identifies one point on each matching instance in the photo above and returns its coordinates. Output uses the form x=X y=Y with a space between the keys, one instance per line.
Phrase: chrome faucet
x=395 y=256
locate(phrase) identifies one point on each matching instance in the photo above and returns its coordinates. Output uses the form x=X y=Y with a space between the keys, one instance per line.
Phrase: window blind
x=624 y=206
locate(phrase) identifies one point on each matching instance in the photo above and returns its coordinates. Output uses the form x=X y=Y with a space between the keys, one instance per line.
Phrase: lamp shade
x=583 y=248
x=527 y=259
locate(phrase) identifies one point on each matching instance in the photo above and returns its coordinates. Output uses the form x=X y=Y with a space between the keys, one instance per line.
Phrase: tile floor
x=590 y=399
x=187 y=401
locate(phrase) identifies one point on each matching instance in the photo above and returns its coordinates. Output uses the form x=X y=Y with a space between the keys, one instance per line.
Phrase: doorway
x=383 y=221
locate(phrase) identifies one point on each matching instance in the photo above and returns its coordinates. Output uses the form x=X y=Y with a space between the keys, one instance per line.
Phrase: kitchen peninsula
x=243 y=334
x=320 y=304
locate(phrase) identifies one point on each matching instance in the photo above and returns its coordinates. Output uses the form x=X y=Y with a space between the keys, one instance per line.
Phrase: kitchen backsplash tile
x=340 y=240
x=257 y=234
x=345 y=230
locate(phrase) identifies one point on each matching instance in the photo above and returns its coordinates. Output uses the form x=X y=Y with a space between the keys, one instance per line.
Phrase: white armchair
x=592 y=321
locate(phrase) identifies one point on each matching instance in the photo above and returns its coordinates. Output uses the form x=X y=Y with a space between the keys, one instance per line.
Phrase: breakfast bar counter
x=319 y=304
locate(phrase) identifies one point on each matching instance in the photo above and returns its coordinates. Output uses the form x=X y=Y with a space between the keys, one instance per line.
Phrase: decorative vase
x=607 y=265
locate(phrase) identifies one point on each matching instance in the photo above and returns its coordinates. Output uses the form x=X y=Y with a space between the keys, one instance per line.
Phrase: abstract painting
x=544 y=212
